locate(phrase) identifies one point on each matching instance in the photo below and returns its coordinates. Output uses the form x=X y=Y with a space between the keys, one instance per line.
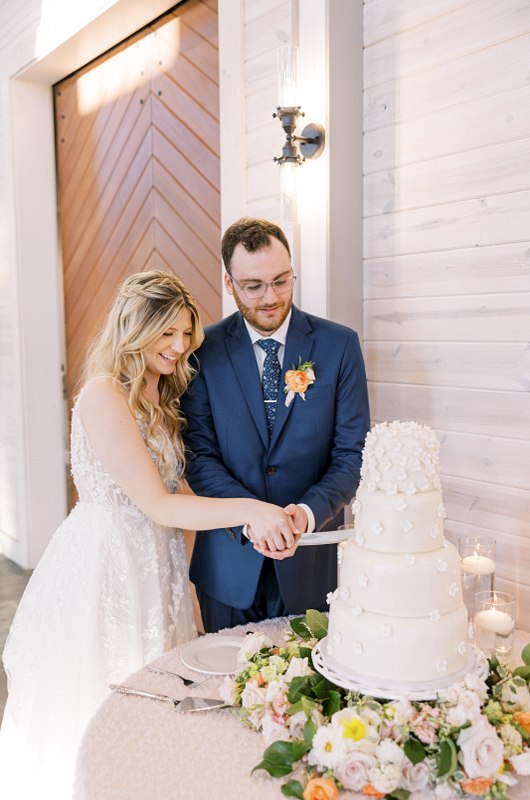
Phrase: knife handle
x=116 y=687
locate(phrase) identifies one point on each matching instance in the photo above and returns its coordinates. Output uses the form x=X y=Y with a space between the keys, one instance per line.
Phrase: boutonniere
x=298 y=380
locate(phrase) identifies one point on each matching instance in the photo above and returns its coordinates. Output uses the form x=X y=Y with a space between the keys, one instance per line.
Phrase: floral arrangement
x=298 y=380
x=471 y=742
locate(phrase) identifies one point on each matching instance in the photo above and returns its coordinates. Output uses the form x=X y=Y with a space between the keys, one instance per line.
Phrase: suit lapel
x=241 y=354
x=299 y=344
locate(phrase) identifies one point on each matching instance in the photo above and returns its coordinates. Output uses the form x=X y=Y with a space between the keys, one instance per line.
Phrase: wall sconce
x=297 y=148
x=310 y=143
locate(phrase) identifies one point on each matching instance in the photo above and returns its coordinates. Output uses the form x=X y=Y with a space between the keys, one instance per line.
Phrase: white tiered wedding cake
x=397 y=618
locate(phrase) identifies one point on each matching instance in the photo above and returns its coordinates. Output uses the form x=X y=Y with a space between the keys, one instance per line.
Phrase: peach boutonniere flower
x=298 y=380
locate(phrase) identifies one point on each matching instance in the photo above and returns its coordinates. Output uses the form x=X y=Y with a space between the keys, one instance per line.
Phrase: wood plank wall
x=267 y=25
x=447 y=252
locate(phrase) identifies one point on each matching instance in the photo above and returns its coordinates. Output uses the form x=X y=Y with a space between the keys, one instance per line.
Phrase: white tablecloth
x=141 y=749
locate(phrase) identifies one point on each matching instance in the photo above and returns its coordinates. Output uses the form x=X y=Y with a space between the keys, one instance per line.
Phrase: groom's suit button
x=271 y=470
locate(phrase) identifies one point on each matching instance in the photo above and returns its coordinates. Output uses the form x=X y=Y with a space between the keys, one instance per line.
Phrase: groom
x=245 y=440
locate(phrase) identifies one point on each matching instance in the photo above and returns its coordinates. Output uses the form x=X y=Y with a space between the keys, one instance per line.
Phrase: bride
x=111 y=592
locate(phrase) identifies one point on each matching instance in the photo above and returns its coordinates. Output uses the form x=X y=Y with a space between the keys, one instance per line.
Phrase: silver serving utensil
x=200 y=704
x=185 y=681
x=187 y=704
x=116 y=687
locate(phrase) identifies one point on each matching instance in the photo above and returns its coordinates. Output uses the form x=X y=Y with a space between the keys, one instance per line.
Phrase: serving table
x=137 y=748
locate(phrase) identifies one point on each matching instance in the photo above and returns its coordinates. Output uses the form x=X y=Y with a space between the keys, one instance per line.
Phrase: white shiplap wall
x=447 y=252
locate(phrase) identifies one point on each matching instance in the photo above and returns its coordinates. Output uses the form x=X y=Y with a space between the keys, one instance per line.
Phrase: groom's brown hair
x=253 y=234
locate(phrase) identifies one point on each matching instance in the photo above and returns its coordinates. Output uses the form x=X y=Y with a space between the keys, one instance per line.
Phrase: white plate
x=215 y=655
x=326 y=537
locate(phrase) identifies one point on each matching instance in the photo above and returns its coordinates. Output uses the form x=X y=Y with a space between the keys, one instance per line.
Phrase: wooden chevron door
x=138 y=170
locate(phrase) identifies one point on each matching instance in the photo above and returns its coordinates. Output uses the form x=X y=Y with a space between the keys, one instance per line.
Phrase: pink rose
x=352 y=771
x=481 y=750
x=415 y=776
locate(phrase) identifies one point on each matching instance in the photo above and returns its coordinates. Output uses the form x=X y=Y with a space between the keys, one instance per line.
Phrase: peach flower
x=476 y=786
x=523 y=719
x=321 y=789
x=371 y=791
x=297 y=380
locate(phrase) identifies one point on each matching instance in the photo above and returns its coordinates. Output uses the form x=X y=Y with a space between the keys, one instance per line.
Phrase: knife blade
x=200 y=704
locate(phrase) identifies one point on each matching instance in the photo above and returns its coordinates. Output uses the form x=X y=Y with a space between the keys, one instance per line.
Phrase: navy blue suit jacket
x=313 y=456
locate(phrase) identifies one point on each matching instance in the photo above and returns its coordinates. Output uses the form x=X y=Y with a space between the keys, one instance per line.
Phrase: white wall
x=447 y=252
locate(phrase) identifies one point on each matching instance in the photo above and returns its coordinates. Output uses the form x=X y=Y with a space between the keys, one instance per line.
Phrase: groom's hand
x=298 y=516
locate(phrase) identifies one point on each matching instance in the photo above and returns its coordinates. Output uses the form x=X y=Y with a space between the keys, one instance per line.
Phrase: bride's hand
x=279 y=555
x=271 y=529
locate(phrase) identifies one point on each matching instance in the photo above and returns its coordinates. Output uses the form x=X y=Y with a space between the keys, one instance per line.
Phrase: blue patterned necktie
x=270 y=380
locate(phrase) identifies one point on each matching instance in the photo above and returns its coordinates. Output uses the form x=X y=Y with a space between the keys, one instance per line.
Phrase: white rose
x=477 y=685
x=254 y=642
x=389 y=752
x=518 y=697
x=385 y=777
x=273 y=731
x=415 y=776
x=481 y=750
x=443 y=792
x=403 y=712
x=512 y=740
x=469 y=703
x=298 y=668
x=425 y=794
x=521 y=763
x=273 y=690
x=227 y=690
x=297 y=722
x=456 y=717
x=253 y=695
x=352 y=772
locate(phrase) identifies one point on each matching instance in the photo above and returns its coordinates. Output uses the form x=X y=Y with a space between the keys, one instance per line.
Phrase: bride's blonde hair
x=147 y=304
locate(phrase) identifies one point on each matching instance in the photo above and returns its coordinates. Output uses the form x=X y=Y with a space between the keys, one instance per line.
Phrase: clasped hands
x=281 y=540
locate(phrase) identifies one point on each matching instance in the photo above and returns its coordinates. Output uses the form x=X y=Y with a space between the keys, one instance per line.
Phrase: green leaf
x=398 y=794
x=317 y=623
x=305 y=652
x=299 y=686
x=309 y=732
x=293 y=789
x=299 y=626
x=275 y=770
x=526 y=654
x=414 y=751
x=447 y=761
x=279 y=757
x=332 y=704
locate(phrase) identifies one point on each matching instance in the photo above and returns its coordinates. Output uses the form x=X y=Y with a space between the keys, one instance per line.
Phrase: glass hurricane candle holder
x=494 y=623
x=477 y=562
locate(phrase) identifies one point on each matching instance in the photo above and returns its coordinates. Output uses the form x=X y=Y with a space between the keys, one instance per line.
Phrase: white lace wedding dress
x=110 y=594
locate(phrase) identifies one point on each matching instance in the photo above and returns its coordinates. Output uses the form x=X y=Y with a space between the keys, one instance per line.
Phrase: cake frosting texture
x=397 y=615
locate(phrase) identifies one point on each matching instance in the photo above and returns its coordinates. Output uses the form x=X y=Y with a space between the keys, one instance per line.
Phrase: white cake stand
x=477 y=665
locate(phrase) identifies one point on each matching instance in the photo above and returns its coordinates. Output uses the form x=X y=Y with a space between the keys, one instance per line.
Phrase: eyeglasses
x=257 y=290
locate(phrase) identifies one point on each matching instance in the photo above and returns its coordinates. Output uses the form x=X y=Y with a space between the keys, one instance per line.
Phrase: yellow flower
x=353 y=729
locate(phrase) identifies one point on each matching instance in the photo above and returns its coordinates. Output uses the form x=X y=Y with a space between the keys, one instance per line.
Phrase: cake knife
x=186 y=704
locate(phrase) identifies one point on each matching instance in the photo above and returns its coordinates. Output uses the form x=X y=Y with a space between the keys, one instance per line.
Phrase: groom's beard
x=259 y=318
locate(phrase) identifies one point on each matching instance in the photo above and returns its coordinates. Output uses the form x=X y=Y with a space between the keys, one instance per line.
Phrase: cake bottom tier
x=398 y=649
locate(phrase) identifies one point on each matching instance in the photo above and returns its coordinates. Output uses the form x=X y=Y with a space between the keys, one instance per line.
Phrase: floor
x=13 y=580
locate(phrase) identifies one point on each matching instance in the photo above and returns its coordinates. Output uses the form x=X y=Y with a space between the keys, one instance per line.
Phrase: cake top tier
x=400 y=457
